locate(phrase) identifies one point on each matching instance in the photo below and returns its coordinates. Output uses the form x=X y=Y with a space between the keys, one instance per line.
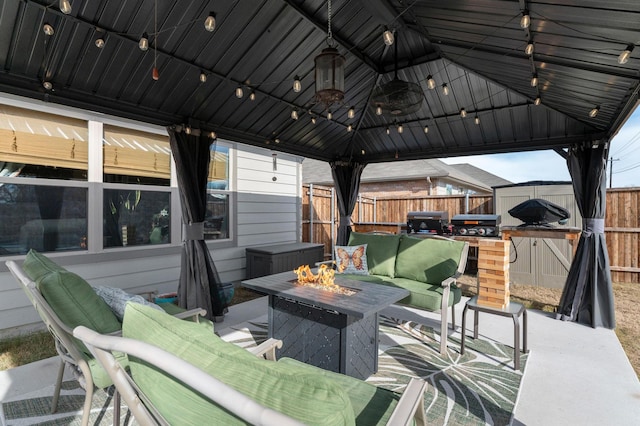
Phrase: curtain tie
x=592 y=226
x=345 y=220
x=193 y=231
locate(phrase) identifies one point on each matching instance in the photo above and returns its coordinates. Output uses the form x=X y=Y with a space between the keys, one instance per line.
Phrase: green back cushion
x=37 y=265
x=381 y=251
x=428 y=260
x=306 y=396
x=71 y=297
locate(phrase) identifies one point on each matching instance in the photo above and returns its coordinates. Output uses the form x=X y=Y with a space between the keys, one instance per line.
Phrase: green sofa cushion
x=381 y=251
x=308 y=396
x=372 y=405
x=75 y=303
x=428 y=260
x=37 y=265
x=99 y=375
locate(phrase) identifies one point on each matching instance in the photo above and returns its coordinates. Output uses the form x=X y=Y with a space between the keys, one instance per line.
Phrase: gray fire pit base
x=327 y=339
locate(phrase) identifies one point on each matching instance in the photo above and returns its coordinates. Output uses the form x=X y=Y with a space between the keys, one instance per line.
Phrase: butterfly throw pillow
x=352 y=260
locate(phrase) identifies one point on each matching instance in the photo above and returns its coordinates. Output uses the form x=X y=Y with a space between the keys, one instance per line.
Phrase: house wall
x=263 y=211
x=413 y=188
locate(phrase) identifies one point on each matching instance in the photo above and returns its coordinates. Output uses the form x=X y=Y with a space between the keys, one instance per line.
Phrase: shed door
x=539 y=261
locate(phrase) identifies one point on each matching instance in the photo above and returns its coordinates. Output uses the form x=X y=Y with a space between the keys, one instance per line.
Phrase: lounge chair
x=179 y=375
x=82 y=306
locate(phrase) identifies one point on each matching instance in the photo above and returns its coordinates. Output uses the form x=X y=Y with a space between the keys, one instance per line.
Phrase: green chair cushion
x=37 y=265
x=428 y=260
x=75 y=303
x=308 y=396
x=381 y=251
x=372 y=405
x=99 y=375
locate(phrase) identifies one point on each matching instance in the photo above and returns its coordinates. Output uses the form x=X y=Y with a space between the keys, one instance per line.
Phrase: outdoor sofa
x=427 y=267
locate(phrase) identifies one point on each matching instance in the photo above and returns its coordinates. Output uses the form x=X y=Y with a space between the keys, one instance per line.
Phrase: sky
x=549 y=166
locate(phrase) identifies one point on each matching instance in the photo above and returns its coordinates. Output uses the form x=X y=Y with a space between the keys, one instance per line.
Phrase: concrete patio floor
x=575 y=375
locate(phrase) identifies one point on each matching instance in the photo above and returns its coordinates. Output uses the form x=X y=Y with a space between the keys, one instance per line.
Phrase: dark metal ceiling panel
x=476 y=48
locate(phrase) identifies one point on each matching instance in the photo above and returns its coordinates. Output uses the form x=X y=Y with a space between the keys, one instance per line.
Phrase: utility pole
x=611 y=160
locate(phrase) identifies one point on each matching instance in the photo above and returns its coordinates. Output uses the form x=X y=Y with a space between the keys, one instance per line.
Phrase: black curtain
x=588 y=295
x=346 y=178
x=200 y=284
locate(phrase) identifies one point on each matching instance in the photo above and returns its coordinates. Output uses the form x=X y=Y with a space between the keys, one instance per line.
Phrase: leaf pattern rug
x=477 y=388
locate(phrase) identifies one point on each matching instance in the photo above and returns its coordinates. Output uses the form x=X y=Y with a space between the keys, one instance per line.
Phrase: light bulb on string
x=349 y=128
x=47 y=85
x=252 y=96
x=537 y=101
x=400 y=128
x=65 y=7
x=329 y=115
x=388 y=131
x=431 y=83
x=476 y=120
x=313 y=120
x=445 y=89
x=594 y=112
x=155 y=74
x=203 y=77
x=463 y=113
x=378 y=110
x=624 y=56
x=210 y=22
x=387 y=37
x=239 y=92
x=100 y=43
x=297 y=85
x=534 y=80
x=529 y=49
x=426 y=129
x=143 y=44
x=525 y=21
x=294 y=114
x=48 y=29
x=351 y=113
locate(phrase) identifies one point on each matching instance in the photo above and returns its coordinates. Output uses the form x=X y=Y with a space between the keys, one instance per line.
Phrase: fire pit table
x=333 y=331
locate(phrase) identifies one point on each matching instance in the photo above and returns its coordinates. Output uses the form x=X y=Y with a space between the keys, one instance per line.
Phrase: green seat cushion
x=429 y=260
x=425 y=296
x=381 y=251
x=37 y=265
x=173 y=309
x=308 y=397
x=98 y=374
x=75 y=303
x=372 y=405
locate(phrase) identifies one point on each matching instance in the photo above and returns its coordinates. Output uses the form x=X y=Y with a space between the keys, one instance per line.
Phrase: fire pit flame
x=324 y=279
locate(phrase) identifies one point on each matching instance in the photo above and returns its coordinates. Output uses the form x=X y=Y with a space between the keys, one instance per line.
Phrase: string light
x=252 y=96
x=65 y=7
x=313 y=120
x=294 y=114
x=431 y=83
x=388 y=131
x=445 y=89
x=143 y=44
x=378 y=110
x=525 y=21
x=349 y=128
x=537 y=101
x=329 y=115
x=48 y=29
x=47 y=85
x=400 y=128
x=426 y=129
x=463 y=113
x=534 y=80
x=477 y=120
x=203 y=77
x=239 y=92
x=529 y=49
x=297 y=85
x=594 y=112
x=351 y=113
x=624 y=56
x=187 y=130
x=210 y=22
x=213 y=135
x=100 y=43
x=388 y=37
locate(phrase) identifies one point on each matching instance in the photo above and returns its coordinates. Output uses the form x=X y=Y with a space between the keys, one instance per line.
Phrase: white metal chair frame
x=410 y=406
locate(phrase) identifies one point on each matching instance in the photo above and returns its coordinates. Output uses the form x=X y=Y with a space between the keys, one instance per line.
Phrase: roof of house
x=319 y=172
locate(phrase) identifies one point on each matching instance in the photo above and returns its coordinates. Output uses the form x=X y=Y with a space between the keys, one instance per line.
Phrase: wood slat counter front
x=572 y=234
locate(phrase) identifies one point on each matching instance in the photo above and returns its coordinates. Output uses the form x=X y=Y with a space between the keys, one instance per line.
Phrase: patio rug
x=479 y=387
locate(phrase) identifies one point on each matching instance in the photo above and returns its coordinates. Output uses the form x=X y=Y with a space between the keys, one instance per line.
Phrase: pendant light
x=297 y=85
x=329 y=70
x=431 y=83
x=445 y=89
x=210 y=22
x=65 y=7
x=143 y=44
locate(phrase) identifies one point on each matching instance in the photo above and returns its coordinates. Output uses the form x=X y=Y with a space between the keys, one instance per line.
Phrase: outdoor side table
x=513 y=310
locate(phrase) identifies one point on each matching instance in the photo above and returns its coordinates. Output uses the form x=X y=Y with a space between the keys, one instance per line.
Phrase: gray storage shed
x=543 y=262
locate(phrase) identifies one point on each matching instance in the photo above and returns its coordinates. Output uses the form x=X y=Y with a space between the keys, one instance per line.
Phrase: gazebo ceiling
x=476 y=48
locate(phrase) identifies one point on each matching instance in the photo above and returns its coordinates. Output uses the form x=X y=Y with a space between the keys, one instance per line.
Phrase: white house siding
x=266 y=212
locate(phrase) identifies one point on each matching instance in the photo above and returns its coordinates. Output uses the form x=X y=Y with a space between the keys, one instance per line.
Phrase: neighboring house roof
x=319 y=173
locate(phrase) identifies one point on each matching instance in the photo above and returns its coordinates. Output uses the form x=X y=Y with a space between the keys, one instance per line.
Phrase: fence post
x=375 y=213
x=310 y=212
x=359 y=208
x=466 y=203
x=333 y=219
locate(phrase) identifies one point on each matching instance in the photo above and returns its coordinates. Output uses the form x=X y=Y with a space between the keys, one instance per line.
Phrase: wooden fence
x=320 y=217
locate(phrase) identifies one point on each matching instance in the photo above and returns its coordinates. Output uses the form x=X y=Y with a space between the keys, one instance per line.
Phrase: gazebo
x=353 y=83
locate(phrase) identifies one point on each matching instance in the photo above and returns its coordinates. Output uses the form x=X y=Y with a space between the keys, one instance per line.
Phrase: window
x=48 y=215
x=216 y=222
x=135 y=217
x=35 y=144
